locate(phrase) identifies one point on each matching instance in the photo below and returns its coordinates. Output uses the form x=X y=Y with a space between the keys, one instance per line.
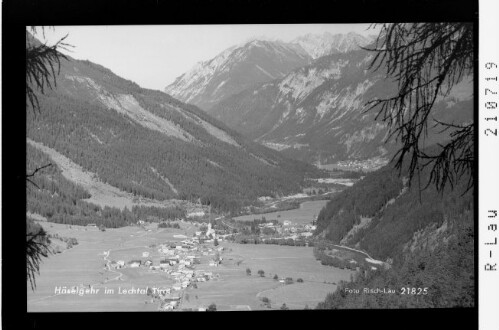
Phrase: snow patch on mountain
x=366 y=134
x=195 y=80
x=317 y=45
x=126 y=104
x=263 y=160
x=165 y=180
x=275 y=146
x=240 y=67
x=93 y=136
x=214 y=131
x=129 y=106
x=300 y=114
x=218 y=87
x=301 y=84
x=326 y=104
x=214 y=163
x=265 y=72
x=219 y=134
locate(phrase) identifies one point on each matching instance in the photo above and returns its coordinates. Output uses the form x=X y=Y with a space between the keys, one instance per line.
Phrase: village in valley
x=182 y=264
x=267 y=257
x=185 y=261
x=203 y=261
x=177 y=260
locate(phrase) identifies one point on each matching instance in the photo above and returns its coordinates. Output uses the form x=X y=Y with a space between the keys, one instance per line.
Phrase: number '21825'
x=414 y=291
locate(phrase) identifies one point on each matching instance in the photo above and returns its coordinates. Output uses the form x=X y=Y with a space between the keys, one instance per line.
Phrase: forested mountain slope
x=149 y=144
x=428 y=238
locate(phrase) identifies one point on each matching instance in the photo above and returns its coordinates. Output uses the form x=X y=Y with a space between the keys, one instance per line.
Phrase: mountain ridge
x=235 y=69
x=135 y=138
x=318 y=111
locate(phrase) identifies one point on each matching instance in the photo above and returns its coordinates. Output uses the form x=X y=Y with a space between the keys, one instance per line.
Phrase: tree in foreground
x=261 y=273
x=248 y=271
x=212 y=307
x=41 y=63
x=426 y=60
x=37 y=246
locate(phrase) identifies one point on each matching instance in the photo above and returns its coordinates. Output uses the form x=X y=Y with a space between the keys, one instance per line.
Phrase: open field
x=230 y=289
x=84 y=265
x=235 y=289
x=306 y=213
x=297 y=295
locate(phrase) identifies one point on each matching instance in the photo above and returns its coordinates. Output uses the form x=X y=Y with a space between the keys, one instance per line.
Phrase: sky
x=153 y=56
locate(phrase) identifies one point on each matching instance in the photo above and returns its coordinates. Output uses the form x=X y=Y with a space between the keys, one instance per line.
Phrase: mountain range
x=318 y=45
x=148 y=144
x=256 y=61
x=236 y=69
x=318 y=112
x=312 y=109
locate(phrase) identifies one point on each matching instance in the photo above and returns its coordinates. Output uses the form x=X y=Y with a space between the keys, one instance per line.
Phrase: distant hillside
x=236 y=69
x=149 y=144
x=392 y=211
x=429 y=241
x=317 y=112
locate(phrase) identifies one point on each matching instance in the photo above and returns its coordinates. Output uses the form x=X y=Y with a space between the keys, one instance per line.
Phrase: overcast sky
x=154 y=55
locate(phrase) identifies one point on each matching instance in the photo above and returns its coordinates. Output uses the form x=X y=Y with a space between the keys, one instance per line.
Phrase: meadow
x=235 y=290
x=230 y=289
x=84 y=265
x=306 y=213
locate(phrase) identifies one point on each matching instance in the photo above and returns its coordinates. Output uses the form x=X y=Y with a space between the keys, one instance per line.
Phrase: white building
x=210 y=231
x=134 y=264
x=195 y=214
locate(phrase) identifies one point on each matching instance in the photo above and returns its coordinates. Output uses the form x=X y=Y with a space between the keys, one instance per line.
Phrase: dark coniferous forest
x=153 y=146
x=122 y=151
x=427 y=238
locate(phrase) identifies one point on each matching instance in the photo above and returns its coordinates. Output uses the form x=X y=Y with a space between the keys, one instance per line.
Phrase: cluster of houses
x=289 y=230
x=364 y=165
x=177 y=260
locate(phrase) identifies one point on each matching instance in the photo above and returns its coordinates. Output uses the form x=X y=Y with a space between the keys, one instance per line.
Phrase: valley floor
x=231 y=288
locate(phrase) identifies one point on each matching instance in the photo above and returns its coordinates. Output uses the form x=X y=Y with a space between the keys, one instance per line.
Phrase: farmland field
x=84 y=264
x=230 y=289
x=306 y=213
x=236 y=289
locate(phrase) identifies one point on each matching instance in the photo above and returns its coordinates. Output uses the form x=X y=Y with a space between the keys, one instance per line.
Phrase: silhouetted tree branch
x=28 y=176
x=426 y=60
x=37 y=245
x=41 y=63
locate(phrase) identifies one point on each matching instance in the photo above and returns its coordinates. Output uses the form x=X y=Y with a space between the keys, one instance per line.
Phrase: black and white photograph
x=250 y=167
